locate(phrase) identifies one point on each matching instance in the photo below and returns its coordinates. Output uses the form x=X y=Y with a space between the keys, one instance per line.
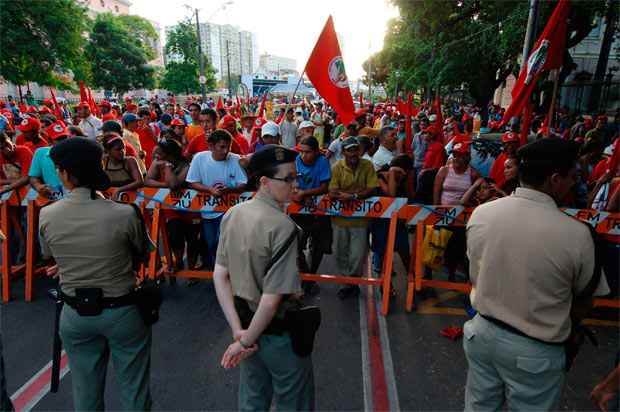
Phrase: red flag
x=361 y=101
x=525 y=126
x=261 y=109
x=220 y=104
x=408 y=135
x=83 y=95
x=547 y=54
x=57 y=111
x=91 y=103
x=325 y=69
x=614 y=160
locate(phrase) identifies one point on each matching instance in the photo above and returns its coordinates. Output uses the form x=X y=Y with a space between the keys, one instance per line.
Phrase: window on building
x=102 y=3
x=116 y=8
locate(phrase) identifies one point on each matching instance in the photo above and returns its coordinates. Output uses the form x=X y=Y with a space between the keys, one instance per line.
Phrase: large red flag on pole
x=547 y=54
x=325 y=69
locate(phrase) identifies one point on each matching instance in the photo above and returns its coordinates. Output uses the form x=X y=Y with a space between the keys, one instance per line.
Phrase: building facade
x=278 y=65
x=117 y=7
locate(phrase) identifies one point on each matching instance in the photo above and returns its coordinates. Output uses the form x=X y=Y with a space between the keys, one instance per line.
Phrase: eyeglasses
x=287 y=179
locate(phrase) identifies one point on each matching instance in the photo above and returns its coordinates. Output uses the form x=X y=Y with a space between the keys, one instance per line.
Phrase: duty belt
x=107 y=303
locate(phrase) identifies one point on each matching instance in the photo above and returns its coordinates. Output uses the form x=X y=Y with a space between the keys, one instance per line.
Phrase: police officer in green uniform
x=255 y=291
x=94 y=242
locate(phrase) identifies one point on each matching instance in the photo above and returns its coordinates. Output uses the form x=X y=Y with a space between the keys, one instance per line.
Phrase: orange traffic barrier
x=421 y=216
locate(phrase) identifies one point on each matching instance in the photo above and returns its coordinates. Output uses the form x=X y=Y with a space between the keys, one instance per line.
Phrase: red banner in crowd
x=546 y=55
x=57 y=111
x=325 y=69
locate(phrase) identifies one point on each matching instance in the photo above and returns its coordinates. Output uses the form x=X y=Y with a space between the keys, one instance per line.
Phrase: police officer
x=94 y=242
x=531 y=267
x=254 y=289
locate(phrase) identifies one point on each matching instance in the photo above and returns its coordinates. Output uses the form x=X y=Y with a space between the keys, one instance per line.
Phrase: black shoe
x=348 y=292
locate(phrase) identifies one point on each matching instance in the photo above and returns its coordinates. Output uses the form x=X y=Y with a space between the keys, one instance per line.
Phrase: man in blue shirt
x=43 y=176
x=313 y=176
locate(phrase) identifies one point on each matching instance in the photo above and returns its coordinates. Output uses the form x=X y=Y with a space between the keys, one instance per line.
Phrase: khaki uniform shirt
x=527 y=261
x=251 y=233
x=92 y=242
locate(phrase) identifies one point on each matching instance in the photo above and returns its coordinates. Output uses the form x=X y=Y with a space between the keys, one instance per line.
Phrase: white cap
x=299 y=110
x=432 y=118
x=270 y=129
x=306 y=123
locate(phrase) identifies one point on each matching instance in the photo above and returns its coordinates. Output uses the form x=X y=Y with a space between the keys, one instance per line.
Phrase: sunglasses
x=287 y=179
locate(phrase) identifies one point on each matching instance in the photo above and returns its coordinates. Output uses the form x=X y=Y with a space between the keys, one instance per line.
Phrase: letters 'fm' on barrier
x=157 y=200
x=421 y=216
x=376 y=207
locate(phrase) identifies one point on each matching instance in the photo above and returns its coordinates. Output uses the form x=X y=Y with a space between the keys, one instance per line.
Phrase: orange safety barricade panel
x=422 y=215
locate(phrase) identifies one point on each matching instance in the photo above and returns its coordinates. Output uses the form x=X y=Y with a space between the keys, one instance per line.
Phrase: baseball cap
x=306 y=123
x=57 y=129
x=270 y=129
x=509 y=137
x=105 y=103
x=129 y=117
x=461 y=147
x=227 y=121
x=177 y=122
x=29 y=124
x=350 y=142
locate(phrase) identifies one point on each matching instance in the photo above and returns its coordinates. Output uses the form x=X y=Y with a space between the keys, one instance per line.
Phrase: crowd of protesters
x=206 y=146
x=467 y=159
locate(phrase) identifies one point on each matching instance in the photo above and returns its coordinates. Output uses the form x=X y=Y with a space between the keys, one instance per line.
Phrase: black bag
x=89 y=301
x=302 y=325
x=148 y=299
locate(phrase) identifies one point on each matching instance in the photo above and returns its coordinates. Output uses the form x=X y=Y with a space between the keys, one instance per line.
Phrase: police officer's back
x=94 y=242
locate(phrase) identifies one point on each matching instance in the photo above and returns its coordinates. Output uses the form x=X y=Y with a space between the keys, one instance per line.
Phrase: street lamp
x=203 y=78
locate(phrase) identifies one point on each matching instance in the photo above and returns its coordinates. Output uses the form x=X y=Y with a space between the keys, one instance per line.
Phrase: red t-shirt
x=34 y=146
x=130 y=150
x=497 y=170
x=435 y=156
x=148 y=141
x=196 y=145
x=18 y=166
x=242 y=144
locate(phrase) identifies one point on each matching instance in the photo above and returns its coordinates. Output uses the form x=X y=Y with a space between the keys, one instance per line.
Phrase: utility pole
x=228 y=68
x=203 y=78
x=530 y=34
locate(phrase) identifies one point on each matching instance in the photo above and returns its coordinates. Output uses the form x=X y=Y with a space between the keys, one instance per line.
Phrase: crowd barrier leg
x=6 y=252
x=388 y=263
x=411 y=270
x=30 y=244
x=155 y=224
x=165 y=244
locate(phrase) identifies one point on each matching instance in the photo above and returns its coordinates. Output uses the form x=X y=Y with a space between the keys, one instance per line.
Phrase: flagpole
x=301 y=77
x=553 y=97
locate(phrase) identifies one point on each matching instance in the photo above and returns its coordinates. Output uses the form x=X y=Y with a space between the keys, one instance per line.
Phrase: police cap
x=81 y=158
x=269 y=156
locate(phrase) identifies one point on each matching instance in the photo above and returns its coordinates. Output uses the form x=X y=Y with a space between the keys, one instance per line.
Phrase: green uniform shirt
x=251 y=233
x=92 y=242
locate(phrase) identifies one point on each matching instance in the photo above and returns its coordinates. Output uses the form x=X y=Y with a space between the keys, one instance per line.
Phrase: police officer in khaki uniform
x=254 y=297
x=94 y=242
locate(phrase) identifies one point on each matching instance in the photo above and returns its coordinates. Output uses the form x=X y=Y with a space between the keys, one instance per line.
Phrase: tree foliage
x=472 y=43
x=42 y=41
x=182 y=70
x=119 y=50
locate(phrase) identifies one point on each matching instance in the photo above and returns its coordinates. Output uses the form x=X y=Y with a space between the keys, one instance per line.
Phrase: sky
x=289 y=28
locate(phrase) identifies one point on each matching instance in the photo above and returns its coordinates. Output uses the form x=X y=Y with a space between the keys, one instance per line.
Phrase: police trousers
x=505 y=367
x=276 y=371
x=90 y=341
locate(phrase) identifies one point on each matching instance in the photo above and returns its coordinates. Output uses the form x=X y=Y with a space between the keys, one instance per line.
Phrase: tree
x=472 y=43
x=182 y=71
x=119 y=50
x=42 y=41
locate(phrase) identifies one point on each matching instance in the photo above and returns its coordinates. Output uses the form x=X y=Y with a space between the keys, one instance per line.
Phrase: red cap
x=29 y=124
x=259 y=122
x=7 y=113
x=461 y=147
x=177 y=122
x=228 y=121
x=83 y=104
x=105 y=103
x=2 y=104
x=509 y=137
x=56 y=130
x=108 y=116
x=132 y=106
x=44 y=110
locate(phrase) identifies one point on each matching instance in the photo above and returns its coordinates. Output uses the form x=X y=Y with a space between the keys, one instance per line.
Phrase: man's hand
x=236 y=353
x=52 y=271
x=601 y=394
x=215 y=191
x=115 y=194
x=45 y=190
